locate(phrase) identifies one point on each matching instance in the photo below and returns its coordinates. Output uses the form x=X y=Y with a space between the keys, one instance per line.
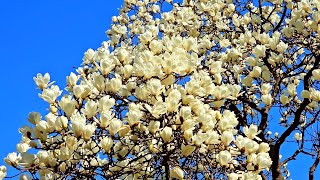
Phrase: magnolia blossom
x=263 y=160
x=166 y=134
x=252 y=131
x=12 y=159
x=34 y=117
x=224 y=157
x=106 y=144
x=177 y=172
x=3 y=172
x=297 y=136
x=42 y=81
x=50 y=95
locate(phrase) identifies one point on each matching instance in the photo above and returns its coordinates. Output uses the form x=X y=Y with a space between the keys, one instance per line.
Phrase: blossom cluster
x=175 y=94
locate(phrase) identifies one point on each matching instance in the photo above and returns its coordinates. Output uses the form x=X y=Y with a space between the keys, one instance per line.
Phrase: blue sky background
x=51 y=36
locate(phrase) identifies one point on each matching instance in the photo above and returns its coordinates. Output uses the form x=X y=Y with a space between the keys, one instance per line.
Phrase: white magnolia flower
x=68 y=105
x=224 y=158
x=316 y=74
x=154 y=126
x=34 y=117
x=297 y=136
x=166 y=134
x=187 y=149
x=177 y=173
x=252 y=131
x=42 y=81
x=267 y=99
x=50 y=95
x=259 y=51
x=72 y=79
x=263 y=160
x=227 y=137
x=22 y=147
x=106 y=144
x=114 y=126
x=3 y=172
x=90 y=109
x=12 y=159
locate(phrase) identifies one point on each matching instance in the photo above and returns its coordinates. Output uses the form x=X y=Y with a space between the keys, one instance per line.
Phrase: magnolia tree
x=184 y=90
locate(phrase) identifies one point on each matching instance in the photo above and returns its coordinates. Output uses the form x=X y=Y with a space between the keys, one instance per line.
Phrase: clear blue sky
x=43 y=36
x=50 y=36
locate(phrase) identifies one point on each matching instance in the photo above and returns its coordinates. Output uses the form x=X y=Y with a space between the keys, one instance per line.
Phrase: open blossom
x=42 y=81
x=252 y=131
x=23 y=147
x=50 y=95
x=154 y=126
x=12 y=159
x=260 y=51
x=68 y=105
x=263 y=160
x=3 y=172
x=34 y=117
x=187 y=149
x=90 y=109
x=297 y=136
x=114 y=126
x=224 y=157
x=177 y=173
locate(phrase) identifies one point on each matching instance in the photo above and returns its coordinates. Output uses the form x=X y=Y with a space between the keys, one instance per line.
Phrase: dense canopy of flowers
x=182 y=89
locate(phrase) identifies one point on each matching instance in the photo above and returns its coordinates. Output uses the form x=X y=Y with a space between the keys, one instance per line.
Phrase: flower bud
x=297 y=136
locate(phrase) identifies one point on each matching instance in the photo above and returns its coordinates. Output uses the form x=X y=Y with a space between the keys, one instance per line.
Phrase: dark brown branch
x=276 y=171
x=314 y=166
